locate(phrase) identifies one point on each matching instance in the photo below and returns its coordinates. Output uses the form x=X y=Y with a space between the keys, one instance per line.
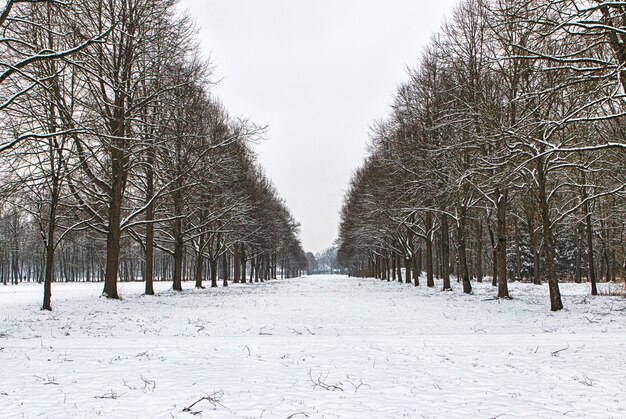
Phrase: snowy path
x=388 y=350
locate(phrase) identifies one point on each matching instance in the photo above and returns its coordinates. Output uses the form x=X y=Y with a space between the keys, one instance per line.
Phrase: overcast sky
x=318 y=72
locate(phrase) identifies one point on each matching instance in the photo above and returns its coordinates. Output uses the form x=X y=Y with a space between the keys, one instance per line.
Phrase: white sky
x=318 y=72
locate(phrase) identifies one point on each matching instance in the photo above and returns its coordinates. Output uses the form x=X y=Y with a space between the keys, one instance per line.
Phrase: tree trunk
x=445 y=253
x=408 y=266
x=116 y=197
x=386 y=274
x=430 y=280
x=177 y=283
x=243 y=263
x=236 y=265
x=479 y=251
x=50 y=242
x=501 y=203
x=394 y=272
x=149 y=249
x=534 y=248
x=199 y=274
x=553 y=284
x=225 y=269
x=580 y=233
x=518 y=252
x=47 y=283
x=463 y=268
x=213 y=266
x=589 y=228
x=114 y=233
x=494 y=254
x=417 y=267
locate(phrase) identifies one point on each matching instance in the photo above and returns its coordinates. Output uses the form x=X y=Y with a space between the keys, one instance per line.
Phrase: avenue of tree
x=503 y=155
x=117 y=162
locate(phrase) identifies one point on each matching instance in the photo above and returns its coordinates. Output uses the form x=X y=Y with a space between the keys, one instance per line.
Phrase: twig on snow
x=358 y=385
x=321 y=382
x=148 y=385
x=110 y=395
x=215 y=399
x=48 y=380
x=557 y=352
x=262 y=332
x=585 y=380
x=294 y=331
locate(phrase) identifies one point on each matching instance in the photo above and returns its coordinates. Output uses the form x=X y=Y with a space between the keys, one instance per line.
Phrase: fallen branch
x=557 y=352
x=585 y=380
x=294 y=331
x=321 y=382
x=215 y=399
x=125 y=383
x=358 y=385
x=110 y=395
x=48 y=380
x=148 y=385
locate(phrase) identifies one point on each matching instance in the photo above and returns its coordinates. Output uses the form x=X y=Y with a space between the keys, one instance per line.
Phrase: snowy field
x=317 y=347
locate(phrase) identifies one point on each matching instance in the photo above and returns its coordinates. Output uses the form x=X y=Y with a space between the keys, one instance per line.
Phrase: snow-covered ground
x=316 y=347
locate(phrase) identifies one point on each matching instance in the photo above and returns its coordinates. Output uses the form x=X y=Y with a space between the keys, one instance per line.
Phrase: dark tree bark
x=553 y=284
x=589 y=228
x=479 y=251
x=501 y=204
x=417 y=267
x=518 y=251
x=179 y=247
x=463 y=267
x=149 y=248
x=445 y=253
x=243 y=263
x=430 y=280
x=213 y=268
x=236 y=265
x=408 y=266
x=579 y=231
x=199 y=274
x=225 y=269
x=114 y=235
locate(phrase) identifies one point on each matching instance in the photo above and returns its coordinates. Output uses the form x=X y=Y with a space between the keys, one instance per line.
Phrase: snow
x=316 y=347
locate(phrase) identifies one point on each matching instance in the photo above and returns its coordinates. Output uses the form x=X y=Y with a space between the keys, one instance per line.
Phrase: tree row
x=503 y=155
x=116 y=155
